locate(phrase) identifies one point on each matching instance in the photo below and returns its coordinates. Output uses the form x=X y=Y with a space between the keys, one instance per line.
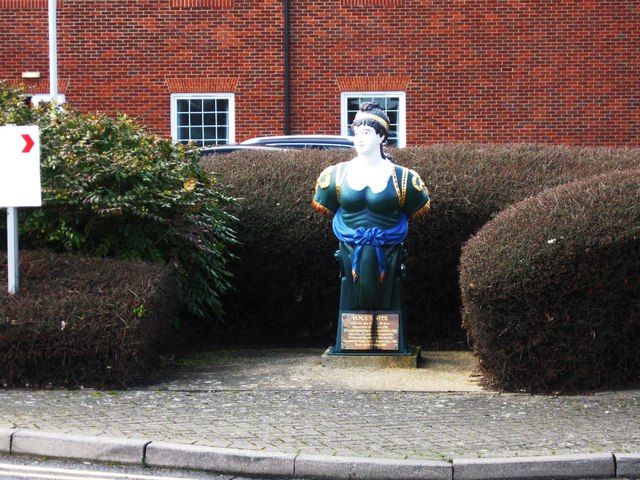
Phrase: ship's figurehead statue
x=371 y=200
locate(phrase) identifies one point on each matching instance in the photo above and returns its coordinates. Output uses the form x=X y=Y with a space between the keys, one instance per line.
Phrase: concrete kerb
x=247 y=462
x=221 y=460
x=627 y=465
x=316 y=466
x=5 y=439
x=104 y=449
x=597 y=465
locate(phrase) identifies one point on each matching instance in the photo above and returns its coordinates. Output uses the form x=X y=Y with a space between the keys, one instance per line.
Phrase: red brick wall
x=129 y=55
x=484 y=70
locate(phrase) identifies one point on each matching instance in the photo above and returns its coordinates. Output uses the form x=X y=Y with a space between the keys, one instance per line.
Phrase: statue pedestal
x=371 y=359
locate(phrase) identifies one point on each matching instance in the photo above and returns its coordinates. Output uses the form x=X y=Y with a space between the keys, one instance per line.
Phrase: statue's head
x=371 y=129
x=372 y=115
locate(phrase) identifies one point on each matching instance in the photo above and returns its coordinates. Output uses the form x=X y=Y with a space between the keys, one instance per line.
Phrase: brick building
x=448 y=70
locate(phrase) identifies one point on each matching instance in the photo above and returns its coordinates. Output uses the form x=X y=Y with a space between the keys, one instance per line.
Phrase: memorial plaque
x=370 y=331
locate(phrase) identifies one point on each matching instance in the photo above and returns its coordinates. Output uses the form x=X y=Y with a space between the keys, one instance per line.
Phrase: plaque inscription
x=370 y=331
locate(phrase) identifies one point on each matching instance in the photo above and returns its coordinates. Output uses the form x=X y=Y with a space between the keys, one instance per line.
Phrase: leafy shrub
x=14 y=106
x=287 y=287
x=82 y=320
x=551 y=288
x=111 y=188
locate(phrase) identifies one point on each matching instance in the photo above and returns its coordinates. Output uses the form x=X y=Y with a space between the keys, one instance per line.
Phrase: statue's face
x=366 y=140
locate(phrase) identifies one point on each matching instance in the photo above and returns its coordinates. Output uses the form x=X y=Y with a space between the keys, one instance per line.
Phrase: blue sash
x=375 y=236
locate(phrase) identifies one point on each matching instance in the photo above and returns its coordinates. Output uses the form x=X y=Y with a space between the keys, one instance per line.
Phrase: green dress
x=404 y=194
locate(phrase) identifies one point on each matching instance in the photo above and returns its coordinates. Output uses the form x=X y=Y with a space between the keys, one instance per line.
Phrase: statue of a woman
x=372 y=199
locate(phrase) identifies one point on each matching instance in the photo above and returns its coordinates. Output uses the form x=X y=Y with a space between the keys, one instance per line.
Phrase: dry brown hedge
x=286 y=278
x=83 y=321
x=551 y=288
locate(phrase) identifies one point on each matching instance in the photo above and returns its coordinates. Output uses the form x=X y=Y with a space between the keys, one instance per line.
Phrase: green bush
x=551 y=288
x=83 y=320
x=287 y=287
x=111 y=188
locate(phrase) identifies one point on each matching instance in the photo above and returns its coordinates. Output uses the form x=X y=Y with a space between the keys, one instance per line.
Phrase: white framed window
x=203 y=118
x=394 y=103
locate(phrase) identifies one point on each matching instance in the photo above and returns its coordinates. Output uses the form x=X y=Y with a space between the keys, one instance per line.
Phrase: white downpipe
x=53 y=52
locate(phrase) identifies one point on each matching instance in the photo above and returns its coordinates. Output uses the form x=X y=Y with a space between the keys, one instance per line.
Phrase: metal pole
x=287 y=67
x=12 y=249
x=53 y=52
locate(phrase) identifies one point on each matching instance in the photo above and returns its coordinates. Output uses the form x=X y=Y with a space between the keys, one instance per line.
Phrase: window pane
x=222 y=133
x=183 y=134
x=195 y=118
x=380 y=100
x=183 y=105
x=392 y=103
x=209 y=142
x=209 y=118
x=209 y=105
x=209 y=133
x=183 y=119
x=196 y=133
x=195 y=105
x=393 y=117
x=222 y=119
x=223 y=105
x=352 y=104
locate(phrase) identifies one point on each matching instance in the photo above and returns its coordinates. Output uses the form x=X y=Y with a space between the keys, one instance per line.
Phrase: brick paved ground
x=398 y=425
x=393 y=424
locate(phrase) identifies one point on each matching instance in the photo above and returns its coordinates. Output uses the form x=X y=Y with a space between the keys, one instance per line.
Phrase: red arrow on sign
x=29 y=143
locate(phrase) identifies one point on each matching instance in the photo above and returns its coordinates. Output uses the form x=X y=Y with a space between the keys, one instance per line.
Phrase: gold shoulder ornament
x=419 y=185
x=417 y=182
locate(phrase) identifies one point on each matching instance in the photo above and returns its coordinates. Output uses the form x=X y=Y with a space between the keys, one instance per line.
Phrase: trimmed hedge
x=83 y=321
x=551 y=288
x=286 y=279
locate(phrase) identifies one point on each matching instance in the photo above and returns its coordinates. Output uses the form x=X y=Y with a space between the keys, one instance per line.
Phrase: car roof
x=320 y=140
x=233 y=147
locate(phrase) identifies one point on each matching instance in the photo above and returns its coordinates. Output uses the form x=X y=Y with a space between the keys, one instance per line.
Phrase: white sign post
x=19 y=185
x=12 y=250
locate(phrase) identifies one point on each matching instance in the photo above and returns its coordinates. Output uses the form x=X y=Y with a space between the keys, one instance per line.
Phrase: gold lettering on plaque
x=369 y=331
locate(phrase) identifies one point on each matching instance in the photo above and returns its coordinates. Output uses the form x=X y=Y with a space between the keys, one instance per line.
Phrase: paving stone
x=556 y=467
x=160 y=454
x=628 y=465
x=107 y=449
x=316 y=466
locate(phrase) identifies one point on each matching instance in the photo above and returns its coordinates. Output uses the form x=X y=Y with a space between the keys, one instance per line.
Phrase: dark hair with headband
x=372 y=115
